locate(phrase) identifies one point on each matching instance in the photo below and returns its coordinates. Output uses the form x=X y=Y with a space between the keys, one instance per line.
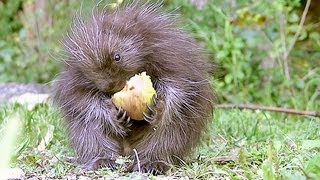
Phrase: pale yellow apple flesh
x=135 y=96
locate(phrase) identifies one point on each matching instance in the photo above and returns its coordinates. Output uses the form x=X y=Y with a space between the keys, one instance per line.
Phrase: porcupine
x=104 y=50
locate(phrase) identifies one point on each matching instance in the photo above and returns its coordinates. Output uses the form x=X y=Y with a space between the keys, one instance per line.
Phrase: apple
x=135 y=96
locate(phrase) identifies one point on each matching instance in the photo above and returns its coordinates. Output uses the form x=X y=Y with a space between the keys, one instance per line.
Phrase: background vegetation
x=263 y=55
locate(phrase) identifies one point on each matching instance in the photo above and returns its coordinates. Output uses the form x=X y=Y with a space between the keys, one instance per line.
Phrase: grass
x=239 y=145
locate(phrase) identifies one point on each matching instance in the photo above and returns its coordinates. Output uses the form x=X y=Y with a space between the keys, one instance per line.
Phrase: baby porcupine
x=105 y=50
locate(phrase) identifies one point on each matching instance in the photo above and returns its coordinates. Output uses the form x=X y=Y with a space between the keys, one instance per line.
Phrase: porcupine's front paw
x=121 y=122
x=123 y=119
x=154 y=109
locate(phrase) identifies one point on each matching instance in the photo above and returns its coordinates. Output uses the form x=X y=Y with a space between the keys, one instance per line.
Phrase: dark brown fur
x=146 y=40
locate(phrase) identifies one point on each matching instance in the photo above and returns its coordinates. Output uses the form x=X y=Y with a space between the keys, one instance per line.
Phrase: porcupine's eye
x=117 y=57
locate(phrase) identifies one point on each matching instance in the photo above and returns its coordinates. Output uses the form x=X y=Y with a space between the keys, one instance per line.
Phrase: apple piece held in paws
x=135 y=96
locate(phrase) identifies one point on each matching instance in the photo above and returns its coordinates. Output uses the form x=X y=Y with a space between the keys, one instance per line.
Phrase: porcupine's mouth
x=115 y=88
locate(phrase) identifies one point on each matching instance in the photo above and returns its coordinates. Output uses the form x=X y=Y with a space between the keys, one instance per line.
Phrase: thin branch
x=284 y=45
x=266 y=108
x=293 y=42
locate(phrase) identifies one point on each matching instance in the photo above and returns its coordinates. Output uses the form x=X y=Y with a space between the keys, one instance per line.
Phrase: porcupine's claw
x=150 y=168
x=155 y=99
x=152 y=110
x=147 y=117
x=121 y=114
x=154 y=171
x=124 y=118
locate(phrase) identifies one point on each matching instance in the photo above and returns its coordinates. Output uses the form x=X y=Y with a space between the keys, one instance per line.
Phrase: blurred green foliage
x=29 y=38
x=248 y=40
x=10 y=22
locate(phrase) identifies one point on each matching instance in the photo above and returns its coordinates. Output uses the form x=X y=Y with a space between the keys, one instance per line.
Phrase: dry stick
x=284 y=45
x=293 y=42
x=304 y=15
x=138 y=160
x=265 y=108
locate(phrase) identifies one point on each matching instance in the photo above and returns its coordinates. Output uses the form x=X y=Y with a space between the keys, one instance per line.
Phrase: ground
x=240 y=144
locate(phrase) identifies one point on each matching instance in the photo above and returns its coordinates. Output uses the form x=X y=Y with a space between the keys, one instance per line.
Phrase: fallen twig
x=266 y=108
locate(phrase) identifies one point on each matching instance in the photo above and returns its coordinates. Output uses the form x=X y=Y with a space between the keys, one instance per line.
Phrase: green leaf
x=228 y=78
x=47 y=139
x=293 y=17
x=313 y=167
